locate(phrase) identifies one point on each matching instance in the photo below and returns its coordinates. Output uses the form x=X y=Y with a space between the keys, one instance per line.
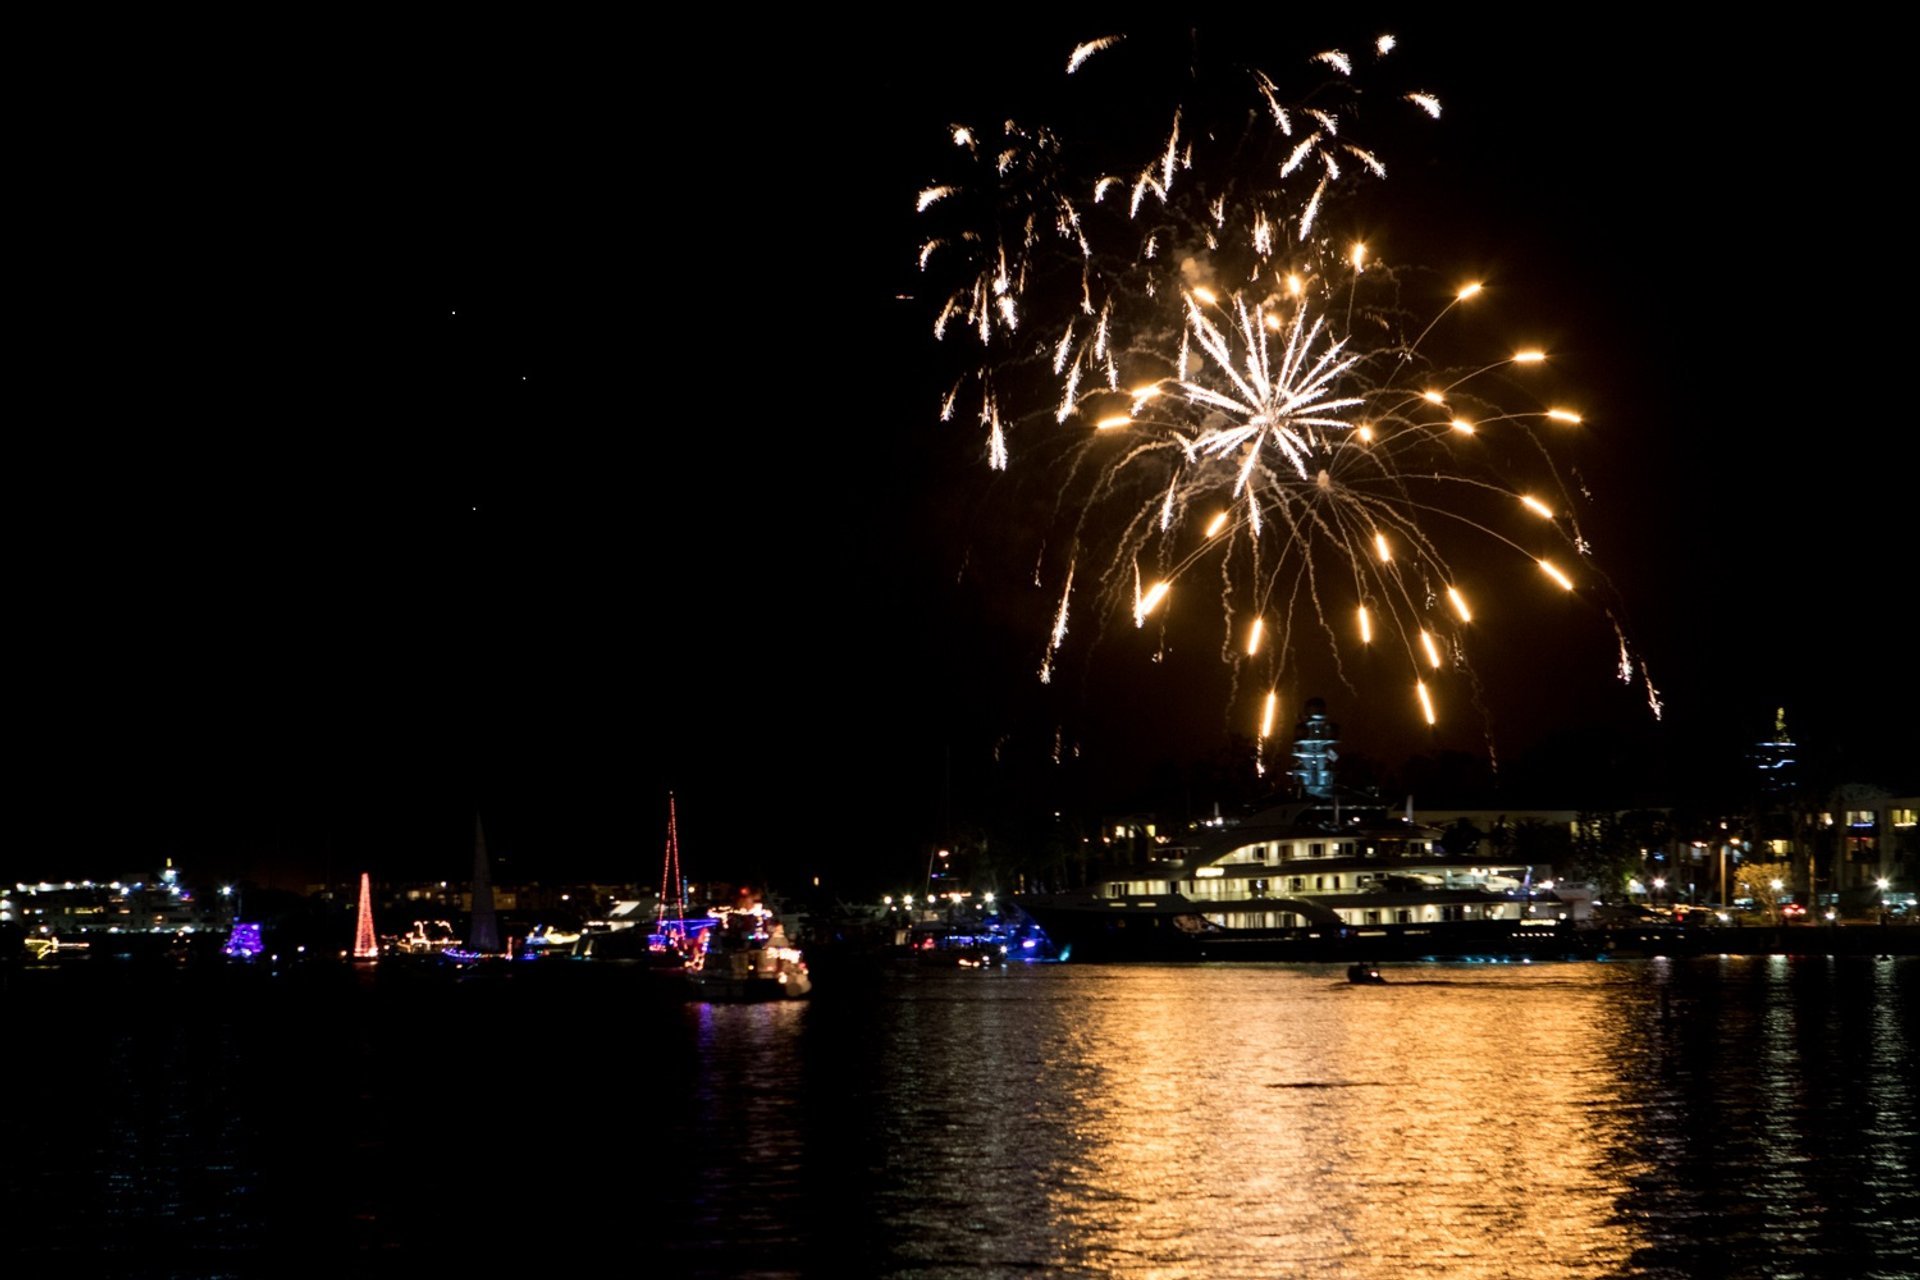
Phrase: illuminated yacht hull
x=746 y=956
x=1312 y=884
x=1169 y=927
x=750 y=975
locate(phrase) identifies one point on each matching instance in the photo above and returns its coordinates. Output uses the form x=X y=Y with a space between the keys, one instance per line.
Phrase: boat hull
x=761 y=974
x=1097 y=931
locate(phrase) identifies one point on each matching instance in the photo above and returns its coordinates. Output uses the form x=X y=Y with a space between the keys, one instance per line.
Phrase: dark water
x=1750 y=1116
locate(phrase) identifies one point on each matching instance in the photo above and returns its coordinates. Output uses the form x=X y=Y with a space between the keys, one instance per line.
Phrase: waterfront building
x=1865 y=846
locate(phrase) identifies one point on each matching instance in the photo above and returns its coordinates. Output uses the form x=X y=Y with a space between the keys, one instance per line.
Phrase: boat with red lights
x=746 y=955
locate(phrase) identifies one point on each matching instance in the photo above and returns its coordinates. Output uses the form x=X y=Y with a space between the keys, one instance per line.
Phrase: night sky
x=501 y=425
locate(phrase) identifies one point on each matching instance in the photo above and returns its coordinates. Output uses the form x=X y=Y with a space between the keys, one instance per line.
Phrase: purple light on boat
x=244 y=942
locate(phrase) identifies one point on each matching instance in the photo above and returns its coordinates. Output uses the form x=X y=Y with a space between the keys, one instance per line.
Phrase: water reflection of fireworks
x=1223 y=381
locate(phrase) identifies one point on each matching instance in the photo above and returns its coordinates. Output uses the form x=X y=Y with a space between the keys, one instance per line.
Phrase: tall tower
x=483 y=931
x=1313 y=754
x=365 y=945
x=1773 y=758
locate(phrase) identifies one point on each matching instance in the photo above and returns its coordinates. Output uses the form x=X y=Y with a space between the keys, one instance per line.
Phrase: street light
x=1778 y=918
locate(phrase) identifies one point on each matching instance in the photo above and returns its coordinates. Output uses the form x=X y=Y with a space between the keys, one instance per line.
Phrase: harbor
x=960 y=650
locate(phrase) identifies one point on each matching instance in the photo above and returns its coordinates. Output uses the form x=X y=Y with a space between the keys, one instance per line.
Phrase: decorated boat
x=1313 y=881
x=746 y=955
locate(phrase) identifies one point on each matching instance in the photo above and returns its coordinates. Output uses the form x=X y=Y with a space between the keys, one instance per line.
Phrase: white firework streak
x=996 y=438
x=1272 y=404
x=1167 y=160
x=1368 y=159
x=1081 y=52
x=1335 y=59
x=1301 y=151
x=1060 y=618
x=1271 y=92
x=1069 y=394
x=1311 y=211
x=1140 y=189
x=1426 y=102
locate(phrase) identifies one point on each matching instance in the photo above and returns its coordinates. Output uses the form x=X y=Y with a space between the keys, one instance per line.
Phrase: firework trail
x=1164 y=311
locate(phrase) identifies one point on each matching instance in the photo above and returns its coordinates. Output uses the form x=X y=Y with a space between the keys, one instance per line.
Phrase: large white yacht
x=1316 y=880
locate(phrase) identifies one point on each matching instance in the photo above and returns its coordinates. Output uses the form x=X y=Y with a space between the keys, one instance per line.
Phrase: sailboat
x=672 y=939
x=739 y=953
x=746 y=955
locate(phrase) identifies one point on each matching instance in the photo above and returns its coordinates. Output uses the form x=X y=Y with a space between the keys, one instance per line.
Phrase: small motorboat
x=1364 y=975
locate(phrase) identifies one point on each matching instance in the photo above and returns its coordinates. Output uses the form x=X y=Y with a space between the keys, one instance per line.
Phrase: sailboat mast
x=671 y=895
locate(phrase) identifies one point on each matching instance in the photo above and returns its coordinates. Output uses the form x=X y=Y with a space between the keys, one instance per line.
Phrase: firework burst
x=1162 y=315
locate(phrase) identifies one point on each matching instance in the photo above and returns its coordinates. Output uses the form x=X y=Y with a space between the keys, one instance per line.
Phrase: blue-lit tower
x=1313 y=754
x=1775 y=760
